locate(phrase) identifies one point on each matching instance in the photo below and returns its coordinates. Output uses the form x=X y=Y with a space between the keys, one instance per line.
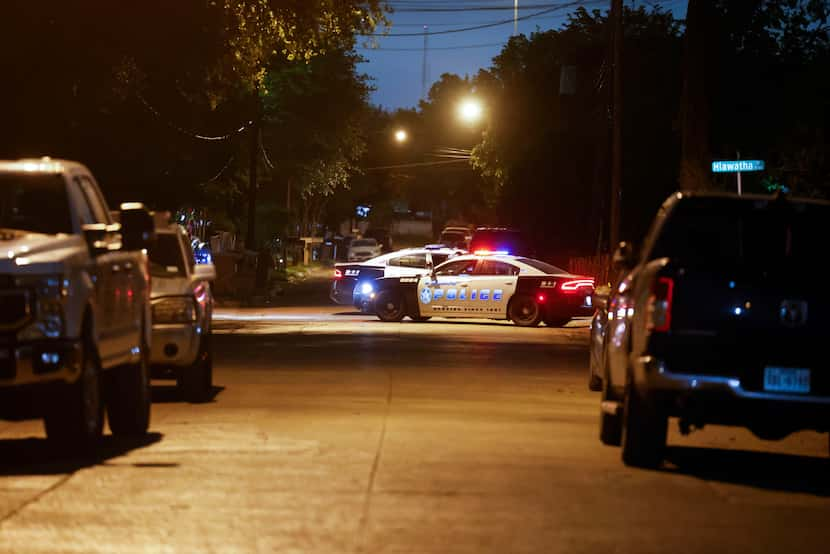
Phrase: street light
x=470 y=110
x=401 y=136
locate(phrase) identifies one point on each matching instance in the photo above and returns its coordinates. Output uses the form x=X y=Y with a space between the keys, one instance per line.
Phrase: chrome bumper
x=653 y=375
x=175 y=344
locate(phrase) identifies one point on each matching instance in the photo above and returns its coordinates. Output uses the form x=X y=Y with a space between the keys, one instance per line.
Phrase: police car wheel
x=389 y=306
x=524 y=311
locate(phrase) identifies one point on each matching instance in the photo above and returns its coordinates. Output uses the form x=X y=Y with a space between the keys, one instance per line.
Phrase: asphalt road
x=331 y=432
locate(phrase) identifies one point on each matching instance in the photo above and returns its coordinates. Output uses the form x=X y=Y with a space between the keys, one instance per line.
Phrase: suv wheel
x=196 y=381
x=75 y=415
x=524 y=311
x=129 y=398
x=643 y=431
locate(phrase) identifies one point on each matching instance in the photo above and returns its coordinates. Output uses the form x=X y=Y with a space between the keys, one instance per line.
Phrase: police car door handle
x=463 y=285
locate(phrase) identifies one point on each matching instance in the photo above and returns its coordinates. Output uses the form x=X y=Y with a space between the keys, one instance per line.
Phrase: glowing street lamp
x=401 y=136
x=471 y=110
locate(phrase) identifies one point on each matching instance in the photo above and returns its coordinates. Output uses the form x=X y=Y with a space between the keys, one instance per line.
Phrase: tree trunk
x=696 y=155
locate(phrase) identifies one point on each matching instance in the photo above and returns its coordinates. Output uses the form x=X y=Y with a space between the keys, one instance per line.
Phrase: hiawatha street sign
x=737 y=166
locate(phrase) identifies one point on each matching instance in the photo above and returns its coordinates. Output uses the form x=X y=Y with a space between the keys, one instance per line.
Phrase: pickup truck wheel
x=128 y=399
x=196 y=381
x=74 y=418
x=610 y=425
x=389 y=306
x=524 y=311
x=643 y=431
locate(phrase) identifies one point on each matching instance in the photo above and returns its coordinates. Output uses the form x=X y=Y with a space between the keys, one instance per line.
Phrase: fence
x=598 y=267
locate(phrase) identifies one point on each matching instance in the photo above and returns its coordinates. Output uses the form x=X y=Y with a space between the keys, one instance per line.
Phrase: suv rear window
x=738 y=232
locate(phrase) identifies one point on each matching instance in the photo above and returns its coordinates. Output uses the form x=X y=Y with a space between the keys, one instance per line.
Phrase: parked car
x=718 y=320
x=354 y=283
x=382 y=236
x=75 y=321
x=501 y=239
x=182 y=311
x=363 y=249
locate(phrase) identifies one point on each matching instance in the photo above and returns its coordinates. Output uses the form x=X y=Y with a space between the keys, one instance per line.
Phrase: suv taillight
x=658 y=310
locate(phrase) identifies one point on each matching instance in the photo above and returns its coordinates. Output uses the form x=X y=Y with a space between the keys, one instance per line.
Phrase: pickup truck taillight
x=658 y=310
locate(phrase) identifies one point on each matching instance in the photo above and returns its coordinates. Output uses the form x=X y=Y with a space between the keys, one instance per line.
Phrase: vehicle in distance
x=456 y=237
x=501 y=239
x=182 y=303
x=363 y=249
x=381 y=235
x=717 y=321
x=353 y=284
x=486 y=285
x=75 y=321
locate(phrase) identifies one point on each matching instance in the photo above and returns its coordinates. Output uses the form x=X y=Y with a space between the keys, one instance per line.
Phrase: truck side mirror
x=138 y=227
x=624 y=259
x=96 y=236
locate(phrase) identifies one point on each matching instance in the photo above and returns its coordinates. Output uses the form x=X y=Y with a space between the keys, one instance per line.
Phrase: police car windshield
x=541 y=266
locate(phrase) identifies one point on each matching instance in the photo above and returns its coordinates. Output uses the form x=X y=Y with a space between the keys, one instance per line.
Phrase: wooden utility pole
x=616 y=133
x=250 y=237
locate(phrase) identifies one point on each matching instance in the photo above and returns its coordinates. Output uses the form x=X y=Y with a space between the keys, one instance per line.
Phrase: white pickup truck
x=75 y=320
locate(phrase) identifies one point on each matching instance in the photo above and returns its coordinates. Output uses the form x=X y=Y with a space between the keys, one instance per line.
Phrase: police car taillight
x=658 y=309
x=577 y=285
x=338 y=274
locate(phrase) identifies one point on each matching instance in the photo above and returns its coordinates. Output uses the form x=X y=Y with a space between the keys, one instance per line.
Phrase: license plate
x=786 y=379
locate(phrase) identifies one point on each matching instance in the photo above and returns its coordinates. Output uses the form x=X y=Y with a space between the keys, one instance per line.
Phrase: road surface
x=331 y=432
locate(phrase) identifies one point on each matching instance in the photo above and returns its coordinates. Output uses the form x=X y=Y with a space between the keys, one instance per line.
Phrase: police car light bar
x=491 y=253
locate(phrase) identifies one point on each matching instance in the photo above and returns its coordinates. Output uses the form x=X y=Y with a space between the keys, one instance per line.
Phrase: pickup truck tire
x=524 y=311
x=389 y=306
x=643 y=430
x=128 y=399
x=74 y=418
x=196 y=381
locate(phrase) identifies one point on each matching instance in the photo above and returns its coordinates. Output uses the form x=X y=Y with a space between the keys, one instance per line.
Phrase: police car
x=490 y=285
x=353 y=283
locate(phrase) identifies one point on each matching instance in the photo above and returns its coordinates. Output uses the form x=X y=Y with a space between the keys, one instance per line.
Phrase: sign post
x=738 y=166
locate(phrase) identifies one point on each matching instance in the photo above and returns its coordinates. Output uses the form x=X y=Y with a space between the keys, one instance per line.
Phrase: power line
x=460 y=47
x=556 y=7
x=419 y=164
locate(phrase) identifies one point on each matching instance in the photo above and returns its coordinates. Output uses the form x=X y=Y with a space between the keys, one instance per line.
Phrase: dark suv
x=719 y=320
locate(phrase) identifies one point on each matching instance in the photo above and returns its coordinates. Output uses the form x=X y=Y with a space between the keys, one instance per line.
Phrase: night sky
x=396 y=65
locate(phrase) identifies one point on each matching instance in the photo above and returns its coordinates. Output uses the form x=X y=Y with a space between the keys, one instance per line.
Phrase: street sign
x=737 y=166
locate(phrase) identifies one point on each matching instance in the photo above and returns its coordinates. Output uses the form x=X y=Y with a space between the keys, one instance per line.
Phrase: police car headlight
x=367 y=288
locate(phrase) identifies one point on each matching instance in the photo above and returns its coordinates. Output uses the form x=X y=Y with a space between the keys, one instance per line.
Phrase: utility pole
x=425 y=68
x=616 y=134
x=515 y=18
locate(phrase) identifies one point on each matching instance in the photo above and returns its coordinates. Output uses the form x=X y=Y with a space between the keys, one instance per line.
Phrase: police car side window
x=418 y=261
x=461 y=267
x=491 y=267
x=438 y=259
